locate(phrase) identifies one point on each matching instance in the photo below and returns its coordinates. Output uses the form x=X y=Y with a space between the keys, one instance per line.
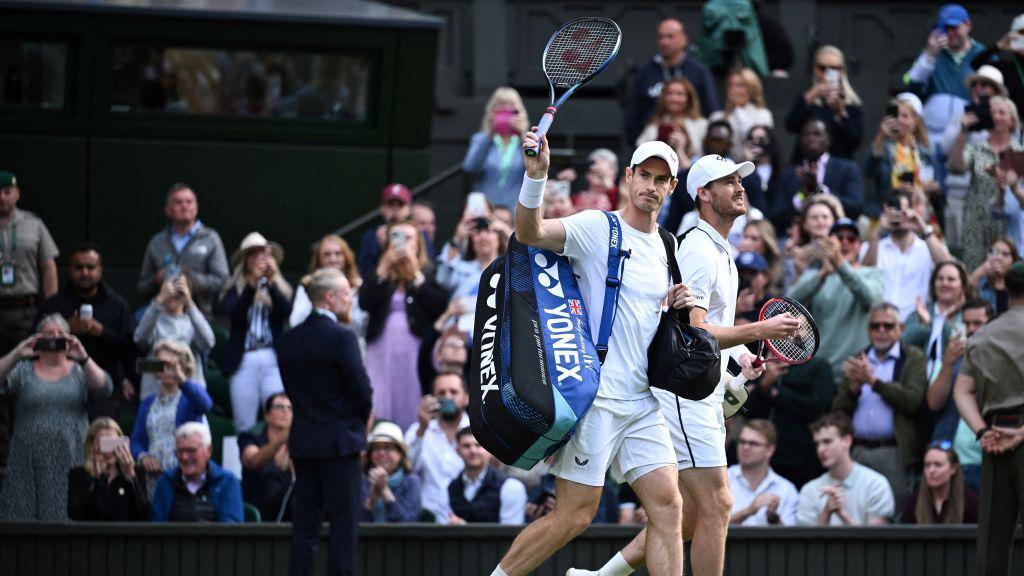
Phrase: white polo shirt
x=743 y=496
x=868 y=495
x=707 y=268
x=436 y=462
x=906 y=273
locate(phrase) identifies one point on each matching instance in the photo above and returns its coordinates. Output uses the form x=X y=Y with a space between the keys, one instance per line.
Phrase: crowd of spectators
x=903 y=246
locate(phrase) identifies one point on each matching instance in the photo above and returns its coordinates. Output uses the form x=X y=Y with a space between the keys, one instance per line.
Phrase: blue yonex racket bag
x=535 y=367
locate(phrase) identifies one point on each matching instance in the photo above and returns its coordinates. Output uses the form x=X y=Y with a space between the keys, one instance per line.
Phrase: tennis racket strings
x=802 y=345
x=579 y=50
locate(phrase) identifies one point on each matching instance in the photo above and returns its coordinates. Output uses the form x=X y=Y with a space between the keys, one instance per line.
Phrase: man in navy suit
x=324 y=376
x=819 y=173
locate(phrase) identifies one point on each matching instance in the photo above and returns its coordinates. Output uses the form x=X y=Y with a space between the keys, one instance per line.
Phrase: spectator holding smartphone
x=49 y=375
x=900 y=157
x=981 y=161
x=432 y=444
x=493 y=157
x=179 y=399
x=402 y=301
x=257 y=301
x=677 y=119
x=947 y=55
x=745 y=107
x=832 y=100
x=989 y=279
x=105 y=488
x=390 y=492
x=173 y=315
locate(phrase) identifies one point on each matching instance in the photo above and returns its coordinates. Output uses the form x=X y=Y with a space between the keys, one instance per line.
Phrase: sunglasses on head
x=882 y=325
x=944 y=445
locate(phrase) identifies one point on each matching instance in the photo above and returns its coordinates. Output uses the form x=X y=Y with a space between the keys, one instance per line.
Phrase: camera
x=906 y=177
x=149 y=365
x=894 y=203
x=51 y=345
x=984 y=114
x=892 y=110
x=446 y=407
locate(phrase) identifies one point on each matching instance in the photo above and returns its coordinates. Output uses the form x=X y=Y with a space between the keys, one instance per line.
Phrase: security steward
x=989 y=393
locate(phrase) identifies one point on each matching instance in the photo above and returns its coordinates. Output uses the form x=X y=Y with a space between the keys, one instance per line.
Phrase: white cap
x=712 y=167
x=656 y=148
x=990 y=73
x=912 y=100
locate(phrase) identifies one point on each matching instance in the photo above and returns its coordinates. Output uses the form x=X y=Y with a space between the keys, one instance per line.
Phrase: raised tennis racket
x=576 y=53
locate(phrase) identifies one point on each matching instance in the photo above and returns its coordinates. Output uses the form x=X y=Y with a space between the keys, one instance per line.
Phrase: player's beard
x=725 y=207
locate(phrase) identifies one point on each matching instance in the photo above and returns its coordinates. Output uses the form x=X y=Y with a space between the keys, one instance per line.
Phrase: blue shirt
x=180 y=240
x=873 y=419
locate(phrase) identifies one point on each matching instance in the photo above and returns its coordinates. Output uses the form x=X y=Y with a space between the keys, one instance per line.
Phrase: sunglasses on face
x=847 y=237
x=882 y=326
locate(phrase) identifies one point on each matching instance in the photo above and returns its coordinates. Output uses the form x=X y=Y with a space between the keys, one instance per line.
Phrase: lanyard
x=14 y=243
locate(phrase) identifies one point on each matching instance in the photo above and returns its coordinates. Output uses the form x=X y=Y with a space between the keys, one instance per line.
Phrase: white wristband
x=531 y=195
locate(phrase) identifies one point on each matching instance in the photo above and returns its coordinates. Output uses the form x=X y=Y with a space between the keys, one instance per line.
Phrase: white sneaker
x=578 y=572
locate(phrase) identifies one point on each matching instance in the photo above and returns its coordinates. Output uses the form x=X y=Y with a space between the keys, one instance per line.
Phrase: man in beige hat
x=185 y=243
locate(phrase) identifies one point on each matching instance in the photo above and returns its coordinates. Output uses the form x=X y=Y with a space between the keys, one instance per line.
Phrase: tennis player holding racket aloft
x=698 y=428
x=624 y=430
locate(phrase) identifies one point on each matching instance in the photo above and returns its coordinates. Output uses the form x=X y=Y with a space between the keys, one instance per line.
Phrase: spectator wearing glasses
x=745 y=107
x=989 y=279
x=946 y=59
x=493 y=157
x=932 y=324
x=390 y=492
x=197 y=490
x=832 y=100
x=268 y=474
x=760 y=497
x=839 y=294
x=990 y=399
x=942 y=498
x=980 y=160
x=882 y=391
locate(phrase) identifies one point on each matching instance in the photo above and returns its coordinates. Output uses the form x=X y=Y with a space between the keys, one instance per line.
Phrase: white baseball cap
x=712 y=167
x=656 y=148
x=911 y=100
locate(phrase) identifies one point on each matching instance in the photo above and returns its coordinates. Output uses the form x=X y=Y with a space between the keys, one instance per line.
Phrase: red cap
x=395 y=191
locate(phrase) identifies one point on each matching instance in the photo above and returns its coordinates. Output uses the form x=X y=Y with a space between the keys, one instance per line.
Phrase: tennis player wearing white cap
x=698 y=428
x=624 y=429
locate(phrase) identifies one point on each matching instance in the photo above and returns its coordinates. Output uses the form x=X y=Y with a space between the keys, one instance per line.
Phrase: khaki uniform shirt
x=34 y=245
x=995 y=360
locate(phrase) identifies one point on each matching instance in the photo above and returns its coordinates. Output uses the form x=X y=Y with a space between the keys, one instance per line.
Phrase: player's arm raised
x=531 y=227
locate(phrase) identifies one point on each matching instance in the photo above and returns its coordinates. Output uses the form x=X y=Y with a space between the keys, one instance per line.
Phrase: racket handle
x=757 y=362
x=542 y=129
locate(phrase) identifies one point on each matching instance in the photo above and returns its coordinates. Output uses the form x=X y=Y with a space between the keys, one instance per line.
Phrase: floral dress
x=979 y=227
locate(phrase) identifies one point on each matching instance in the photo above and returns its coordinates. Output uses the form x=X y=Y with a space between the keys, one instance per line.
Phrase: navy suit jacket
x=325 y=379
x=843 y=179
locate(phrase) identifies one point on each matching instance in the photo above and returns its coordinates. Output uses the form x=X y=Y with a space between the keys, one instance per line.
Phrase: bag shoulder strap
x=673 y=266
x=612 y=283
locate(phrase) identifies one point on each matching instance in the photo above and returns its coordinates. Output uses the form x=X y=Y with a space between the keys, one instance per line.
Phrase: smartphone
x=476 y=204
x=446 y=407
x=832 y=77
x=85 y=312
x=894 y=203
x=51 y=345
x=892 y=110
x=397 y=240
x=664 y=131
x=907 y=177
x=109 y=444
x=149 y=366
x=984 y=114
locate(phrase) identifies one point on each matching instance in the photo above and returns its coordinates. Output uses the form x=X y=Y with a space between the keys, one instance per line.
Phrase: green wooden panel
x=292 y=195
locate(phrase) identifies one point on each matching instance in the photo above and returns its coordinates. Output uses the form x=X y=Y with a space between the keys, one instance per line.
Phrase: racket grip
x=542 y=128
x=757 y=362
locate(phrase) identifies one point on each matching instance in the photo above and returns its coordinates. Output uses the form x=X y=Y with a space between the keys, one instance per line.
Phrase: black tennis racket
x=796 y=349
x=576 y=53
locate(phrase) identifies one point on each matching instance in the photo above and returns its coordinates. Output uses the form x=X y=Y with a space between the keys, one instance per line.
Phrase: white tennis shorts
x=697 y=429
x=629 y=437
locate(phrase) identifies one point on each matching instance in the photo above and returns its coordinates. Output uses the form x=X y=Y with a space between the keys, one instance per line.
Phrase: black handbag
x=683 y=359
